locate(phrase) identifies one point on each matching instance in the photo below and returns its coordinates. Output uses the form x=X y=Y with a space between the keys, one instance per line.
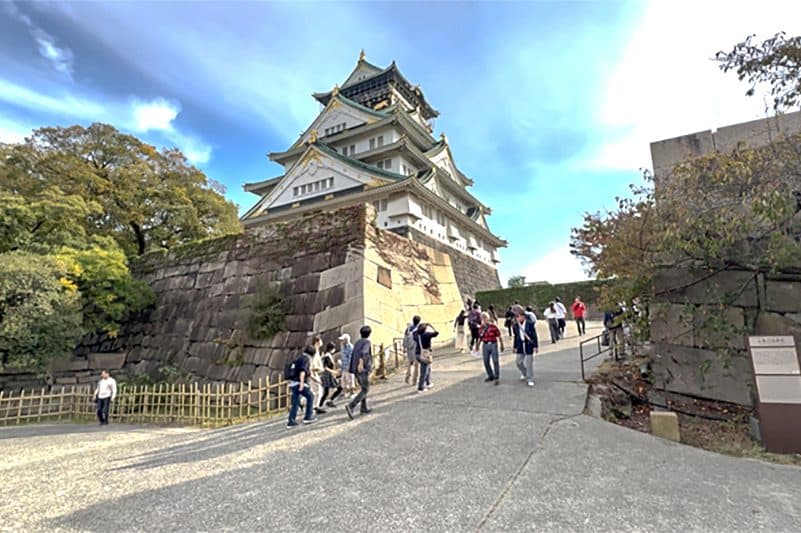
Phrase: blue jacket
x=522 y=345
x=362 y=351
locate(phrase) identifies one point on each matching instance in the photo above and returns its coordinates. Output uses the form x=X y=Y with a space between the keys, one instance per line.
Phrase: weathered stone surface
x=671 y=323
x=665 y=424
x=702 y=373
x=684 y=286
x=71 y=364
x=783 y=296
x=106 y=361
x=715 y=328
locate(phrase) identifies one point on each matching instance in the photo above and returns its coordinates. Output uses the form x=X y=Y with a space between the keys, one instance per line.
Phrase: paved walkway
x=466 y=456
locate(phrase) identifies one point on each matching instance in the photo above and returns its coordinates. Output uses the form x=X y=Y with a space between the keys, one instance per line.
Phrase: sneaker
x=522 y=377
x=330 y=404
x=349 y=410
x=531 y=383
x=291 y=425
x=496 y=381
x=366 y=411
x=320 y=410
x=419 y=391
x=310 y=420
x=430 y=386
x=488 y=380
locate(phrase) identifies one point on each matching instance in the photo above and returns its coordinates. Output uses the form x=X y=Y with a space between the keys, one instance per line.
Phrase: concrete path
x=465 y=456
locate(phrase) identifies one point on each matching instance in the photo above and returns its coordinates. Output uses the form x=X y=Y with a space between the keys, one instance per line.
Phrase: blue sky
x=548 y=106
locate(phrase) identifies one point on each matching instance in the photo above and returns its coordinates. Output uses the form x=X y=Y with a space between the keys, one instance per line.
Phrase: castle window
x=388 y=164
x=372 y=143
x=380 y=140
x=352 y=149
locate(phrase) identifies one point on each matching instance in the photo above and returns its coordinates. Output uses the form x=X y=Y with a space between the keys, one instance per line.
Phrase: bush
x=40 y=310
x=267 y=315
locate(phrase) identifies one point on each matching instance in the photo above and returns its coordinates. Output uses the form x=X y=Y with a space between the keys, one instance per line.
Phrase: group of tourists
x=312 y=377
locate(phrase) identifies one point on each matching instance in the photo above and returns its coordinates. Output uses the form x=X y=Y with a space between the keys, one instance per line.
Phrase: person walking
x=509 y=320
x=490 y=337
x=347 y=378
x=329 y=378
x=526 y=345
x=579 y=311
x=296 y=373
x=561 y=315
x=459 y=329
x=361 y=364
x=474 y=321
x=425 y=332
x=410 y=345
x=552 y=316
x=314 y=379
x=613 y=321
x=105 y=393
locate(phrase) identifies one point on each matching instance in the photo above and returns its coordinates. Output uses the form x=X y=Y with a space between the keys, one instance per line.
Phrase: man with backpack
x=296 y=372
x=410 y=346
x=361 y=364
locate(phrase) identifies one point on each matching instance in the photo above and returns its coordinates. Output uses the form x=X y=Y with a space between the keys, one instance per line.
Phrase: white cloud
x=60 y=57
x=157 y=114
x=11 y=133
x=63 y=103
x=667 y=84
x=557 y=266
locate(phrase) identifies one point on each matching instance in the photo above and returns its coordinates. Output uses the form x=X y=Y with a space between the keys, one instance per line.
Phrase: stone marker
x=665 y=424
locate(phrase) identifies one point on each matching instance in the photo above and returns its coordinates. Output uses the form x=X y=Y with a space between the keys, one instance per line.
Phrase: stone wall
x=472 y=275
x=416 y=280
x=699 y=323
x=335 y=271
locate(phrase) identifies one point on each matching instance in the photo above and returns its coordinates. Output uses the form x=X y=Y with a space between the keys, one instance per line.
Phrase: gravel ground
x=462 y=457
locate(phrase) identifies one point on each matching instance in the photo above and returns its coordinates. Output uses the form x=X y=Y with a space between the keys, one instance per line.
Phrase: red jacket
x=579 y=309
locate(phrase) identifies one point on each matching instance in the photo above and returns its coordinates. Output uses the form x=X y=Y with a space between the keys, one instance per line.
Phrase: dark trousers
x=326 y=390
x=582 y=328
x=296 y=394
x=553 y=326
x=363 y=379
x=425 y=376
x=473 y=338
x=562 y=325
x=103 y=405
x=491 y=363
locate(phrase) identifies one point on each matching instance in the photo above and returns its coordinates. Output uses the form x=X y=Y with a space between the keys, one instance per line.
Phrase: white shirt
x=106 y=388
x=561 y=312
x=550 y=314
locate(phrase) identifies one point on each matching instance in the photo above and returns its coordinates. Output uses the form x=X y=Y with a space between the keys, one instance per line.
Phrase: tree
x=775 y=62
x=40 y=311
x=149 y=199
x=717 y=211
x=517 y=281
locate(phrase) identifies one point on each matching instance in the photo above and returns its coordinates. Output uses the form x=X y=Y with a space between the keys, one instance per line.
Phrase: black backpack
x=291 y=368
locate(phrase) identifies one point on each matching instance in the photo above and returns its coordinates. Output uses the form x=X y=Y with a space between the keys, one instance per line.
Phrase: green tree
x=40 y=310
x=516 y=281
x=149 y=199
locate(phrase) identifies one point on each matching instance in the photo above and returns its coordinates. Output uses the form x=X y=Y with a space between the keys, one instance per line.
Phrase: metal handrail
x=600 y=350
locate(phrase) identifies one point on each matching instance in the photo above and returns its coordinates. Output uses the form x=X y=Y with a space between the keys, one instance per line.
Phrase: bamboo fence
x=189 y=404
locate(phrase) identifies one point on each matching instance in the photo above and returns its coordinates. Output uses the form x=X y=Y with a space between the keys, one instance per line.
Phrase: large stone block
x=69 y=364
x=665 y=424
x=339 y=275
x=783 y=296
x=702 y=373
x=106 y=361
x=333 y=318
x=732 y=287
x=719 y=328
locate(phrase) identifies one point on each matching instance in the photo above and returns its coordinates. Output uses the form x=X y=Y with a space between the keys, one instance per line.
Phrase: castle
x=372 y=143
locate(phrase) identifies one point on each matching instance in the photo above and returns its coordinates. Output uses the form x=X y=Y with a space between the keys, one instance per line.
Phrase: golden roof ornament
x=312 y=137
x=335 y=90
x=362 y=55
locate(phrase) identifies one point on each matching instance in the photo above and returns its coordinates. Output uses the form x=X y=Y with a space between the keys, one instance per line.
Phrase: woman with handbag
x=424 y=334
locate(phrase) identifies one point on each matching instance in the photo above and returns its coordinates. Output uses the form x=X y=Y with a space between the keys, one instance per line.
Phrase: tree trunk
x=140 y=237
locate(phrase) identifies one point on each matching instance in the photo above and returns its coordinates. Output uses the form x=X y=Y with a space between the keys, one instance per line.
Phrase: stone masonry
x=699 y=325
x=335 y=271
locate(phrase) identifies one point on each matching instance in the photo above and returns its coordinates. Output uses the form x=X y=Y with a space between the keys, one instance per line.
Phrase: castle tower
x=372 y=142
